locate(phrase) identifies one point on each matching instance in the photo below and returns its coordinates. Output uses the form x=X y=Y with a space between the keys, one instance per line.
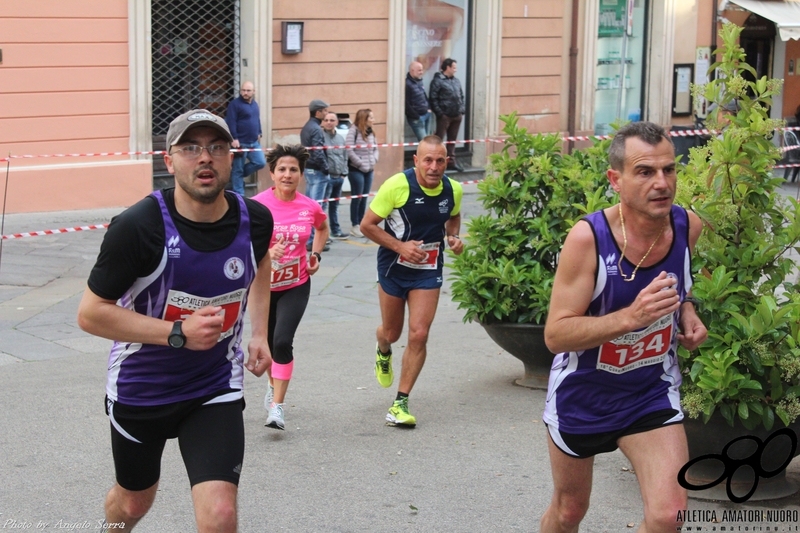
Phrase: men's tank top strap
x=611 y=290
x=421 y=218
x=185 y=281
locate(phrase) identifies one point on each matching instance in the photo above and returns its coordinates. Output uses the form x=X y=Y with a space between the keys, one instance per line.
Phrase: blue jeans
x=334 y=190
x=246 y=163
x=360 y=183
x=316 y=186
x=421 y=126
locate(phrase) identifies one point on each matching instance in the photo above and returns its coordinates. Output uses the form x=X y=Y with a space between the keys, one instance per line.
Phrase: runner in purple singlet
x=615 y=322
x=174 y=276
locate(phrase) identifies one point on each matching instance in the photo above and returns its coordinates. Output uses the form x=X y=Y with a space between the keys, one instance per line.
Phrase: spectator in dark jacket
x=447 y=102
x=316 y=171
x=418 y=112
x=243 y=119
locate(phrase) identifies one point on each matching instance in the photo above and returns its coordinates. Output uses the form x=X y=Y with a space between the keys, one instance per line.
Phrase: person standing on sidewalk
x=447 y=102
x=362 y=160
x=418 y=112
x=337 y=166
x=615 y=325
x=170 y=286
x=244 y=121
x=295 y=215
x=316 y=172
x=421 y=208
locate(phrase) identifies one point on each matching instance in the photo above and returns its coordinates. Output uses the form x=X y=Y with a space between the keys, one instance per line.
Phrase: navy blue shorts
x=399 y=288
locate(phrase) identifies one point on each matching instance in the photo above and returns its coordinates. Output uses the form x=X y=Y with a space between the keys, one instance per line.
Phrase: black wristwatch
x=176 y=337
x=318 y=256
x=692 y=300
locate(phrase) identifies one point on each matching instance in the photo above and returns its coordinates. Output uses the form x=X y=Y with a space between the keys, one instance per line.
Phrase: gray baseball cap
x=316 y=105
x=195 y=118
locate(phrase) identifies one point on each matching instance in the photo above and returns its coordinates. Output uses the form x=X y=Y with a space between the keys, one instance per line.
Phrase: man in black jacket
x=316 y=172
x=418 y=112
x=447 y=102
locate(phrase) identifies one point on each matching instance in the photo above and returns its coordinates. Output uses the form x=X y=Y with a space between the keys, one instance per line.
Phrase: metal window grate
x=195 y=58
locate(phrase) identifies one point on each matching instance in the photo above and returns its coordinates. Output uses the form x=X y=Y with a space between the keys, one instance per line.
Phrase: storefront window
x=620 y=63
x=436 y=30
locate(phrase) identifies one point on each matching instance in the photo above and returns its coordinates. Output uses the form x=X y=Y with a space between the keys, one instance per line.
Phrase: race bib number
x=180 y=305
x=286 y=274
x=429 y=263
x=637 y=349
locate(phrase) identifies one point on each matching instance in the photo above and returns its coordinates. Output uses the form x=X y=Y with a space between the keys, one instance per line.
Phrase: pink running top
x=293 y=222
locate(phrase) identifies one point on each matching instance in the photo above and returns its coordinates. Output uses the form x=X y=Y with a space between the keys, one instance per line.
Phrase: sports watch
x=176 y=337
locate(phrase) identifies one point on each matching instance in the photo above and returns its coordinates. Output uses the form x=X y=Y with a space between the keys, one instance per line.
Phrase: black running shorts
x=587 y=445
x=210 y=436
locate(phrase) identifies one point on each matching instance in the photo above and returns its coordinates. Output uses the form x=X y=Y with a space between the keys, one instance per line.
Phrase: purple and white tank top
x=609 y=387
x=184 y=281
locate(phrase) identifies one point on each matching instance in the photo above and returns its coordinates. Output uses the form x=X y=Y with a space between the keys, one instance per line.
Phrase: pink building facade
x=95 y=76
x=64 y=89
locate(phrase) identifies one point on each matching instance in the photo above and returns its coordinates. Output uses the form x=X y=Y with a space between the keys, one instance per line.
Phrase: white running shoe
x=275 y=418
x=356 y=232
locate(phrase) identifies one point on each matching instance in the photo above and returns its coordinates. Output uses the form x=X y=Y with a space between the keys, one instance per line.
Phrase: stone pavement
x=477 y=461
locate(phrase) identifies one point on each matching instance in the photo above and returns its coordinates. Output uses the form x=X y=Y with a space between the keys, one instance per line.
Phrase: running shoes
x=398 y=414
x=383 y=368
x=275 y=418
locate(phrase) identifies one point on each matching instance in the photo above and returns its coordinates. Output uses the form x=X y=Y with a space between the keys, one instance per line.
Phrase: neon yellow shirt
x=394 y=192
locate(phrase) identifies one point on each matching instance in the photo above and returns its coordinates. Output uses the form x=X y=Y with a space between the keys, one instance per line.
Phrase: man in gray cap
x=316 y=172
x=170 y=287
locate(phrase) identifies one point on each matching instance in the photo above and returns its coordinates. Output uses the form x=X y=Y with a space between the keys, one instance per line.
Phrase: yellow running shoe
x=398 y=414
x=383 y=368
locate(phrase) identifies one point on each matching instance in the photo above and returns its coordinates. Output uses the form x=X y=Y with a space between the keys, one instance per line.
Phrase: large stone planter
x=711 y=438
x=526 y=343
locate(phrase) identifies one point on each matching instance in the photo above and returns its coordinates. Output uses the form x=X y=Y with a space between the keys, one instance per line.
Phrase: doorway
x=195 y=62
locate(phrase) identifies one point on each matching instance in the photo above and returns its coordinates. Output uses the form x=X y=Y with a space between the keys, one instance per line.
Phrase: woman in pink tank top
x=294 y=215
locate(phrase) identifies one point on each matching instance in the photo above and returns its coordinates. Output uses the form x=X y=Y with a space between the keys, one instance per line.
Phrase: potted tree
x=745 y=379
x=533 y=195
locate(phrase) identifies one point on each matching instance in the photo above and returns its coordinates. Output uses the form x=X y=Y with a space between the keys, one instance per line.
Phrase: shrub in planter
x=749 y=368
x=533 y=196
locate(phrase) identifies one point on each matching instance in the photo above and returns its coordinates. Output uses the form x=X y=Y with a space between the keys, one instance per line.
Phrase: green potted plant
x=746 y=376
x=533 y=195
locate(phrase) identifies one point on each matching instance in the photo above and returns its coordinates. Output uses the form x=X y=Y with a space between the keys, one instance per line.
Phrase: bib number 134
x=637 y=349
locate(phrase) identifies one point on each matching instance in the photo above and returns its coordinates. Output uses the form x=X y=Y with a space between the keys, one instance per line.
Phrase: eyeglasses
x=193 y=151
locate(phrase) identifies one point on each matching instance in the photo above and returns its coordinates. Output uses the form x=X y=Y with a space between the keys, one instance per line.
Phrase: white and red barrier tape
x=104 y=226
x=53 y=231
x=682 y=133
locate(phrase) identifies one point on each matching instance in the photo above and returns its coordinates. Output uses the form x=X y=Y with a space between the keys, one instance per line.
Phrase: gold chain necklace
x=625 y=246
